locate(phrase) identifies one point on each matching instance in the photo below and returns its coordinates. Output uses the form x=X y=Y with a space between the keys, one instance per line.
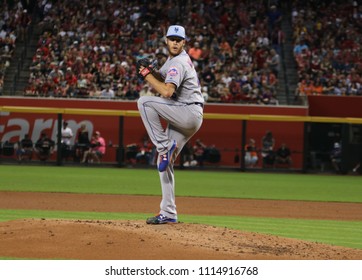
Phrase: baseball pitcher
x=180 y=104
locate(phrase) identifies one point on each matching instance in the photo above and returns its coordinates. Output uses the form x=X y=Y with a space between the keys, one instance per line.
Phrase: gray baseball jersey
x=183 y=114
x=180 y=71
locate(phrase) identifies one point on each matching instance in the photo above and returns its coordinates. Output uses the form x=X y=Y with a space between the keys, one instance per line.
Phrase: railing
x=215 y=116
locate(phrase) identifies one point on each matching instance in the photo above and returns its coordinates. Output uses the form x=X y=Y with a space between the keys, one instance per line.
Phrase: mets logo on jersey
x=172 y=71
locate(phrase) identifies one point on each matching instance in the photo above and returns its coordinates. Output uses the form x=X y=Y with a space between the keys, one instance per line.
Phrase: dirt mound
x=134 y=240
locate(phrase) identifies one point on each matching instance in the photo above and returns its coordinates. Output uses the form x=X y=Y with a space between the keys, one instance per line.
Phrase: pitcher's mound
x=134 y=240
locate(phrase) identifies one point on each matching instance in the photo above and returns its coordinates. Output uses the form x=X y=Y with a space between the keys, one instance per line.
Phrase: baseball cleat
x=166 y=158
x=160 y=219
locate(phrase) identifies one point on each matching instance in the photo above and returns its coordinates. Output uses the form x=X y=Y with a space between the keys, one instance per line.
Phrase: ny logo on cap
x=176 y=30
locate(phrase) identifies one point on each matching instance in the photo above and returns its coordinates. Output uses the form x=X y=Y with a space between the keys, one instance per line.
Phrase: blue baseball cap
x=176 y=31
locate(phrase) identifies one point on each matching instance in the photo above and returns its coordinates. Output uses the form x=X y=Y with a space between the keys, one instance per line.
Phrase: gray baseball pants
x=183 y=121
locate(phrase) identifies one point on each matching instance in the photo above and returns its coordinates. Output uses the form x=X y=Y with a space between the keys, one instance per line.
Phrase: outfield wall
x=226 y=135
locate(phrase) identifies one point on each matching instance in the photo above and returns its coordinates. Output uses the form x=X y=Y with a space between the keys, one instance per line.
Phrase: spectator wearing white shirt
x=107 y=92
x=67 y=135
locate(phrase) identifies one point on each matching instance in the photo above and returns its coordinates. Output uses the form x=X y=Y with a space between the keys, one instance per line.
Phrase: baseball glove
x=148 y=67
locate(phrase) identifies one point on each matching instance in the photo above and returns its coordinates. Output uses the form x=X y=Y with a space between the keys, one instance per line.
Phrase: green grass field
x=189 y=183
x=201 y=184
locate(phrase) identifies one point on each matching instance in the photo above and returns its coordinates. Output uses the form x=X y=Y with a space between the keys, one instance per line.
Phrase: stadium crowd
x=13 y=24
x=90 y=48
x=327 y=47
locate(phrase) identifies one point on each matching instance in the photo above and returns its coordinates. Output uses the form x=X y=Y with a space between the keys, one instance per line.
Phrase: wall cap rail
x=210 y=116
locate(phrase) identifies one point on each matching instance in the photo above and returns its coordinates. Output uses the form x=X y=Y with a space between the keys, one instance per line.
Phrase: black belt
x=196 y=103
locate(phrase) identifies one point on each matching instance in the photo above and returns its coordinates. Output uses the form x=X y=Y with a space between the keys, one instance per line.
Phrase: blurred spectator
x=56 y=75
x=146 y=152
x=199 y=150
x=300 y=47
x=277 y=39
x=196 y=54
x=273 y=62
x=132 y=92
x=225 y=49
x=267 y=150
x=245 y=57
x=303 y=90
x=44 y=147
x=23 y=21
x=328 y=88
x=354 y=88
x=95 y=92
x=317 y=88
x=66 y=137
x=82 y=143
x=204 y=92
x=107 y=92
x=188 y=155
x=260 y=56
x=274 y=17
x=208 y=76
x=25 y=149
x=146 y=91
x=96 y=150
x=214 y=95
x=212 y=154
x=283 y=156
x=336 y=156
x=251 y=154
x=131 y=152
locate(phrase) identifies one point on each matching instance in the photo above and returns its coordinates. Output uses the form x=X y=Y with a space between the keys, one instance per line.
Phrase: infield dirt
x=134 y=240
